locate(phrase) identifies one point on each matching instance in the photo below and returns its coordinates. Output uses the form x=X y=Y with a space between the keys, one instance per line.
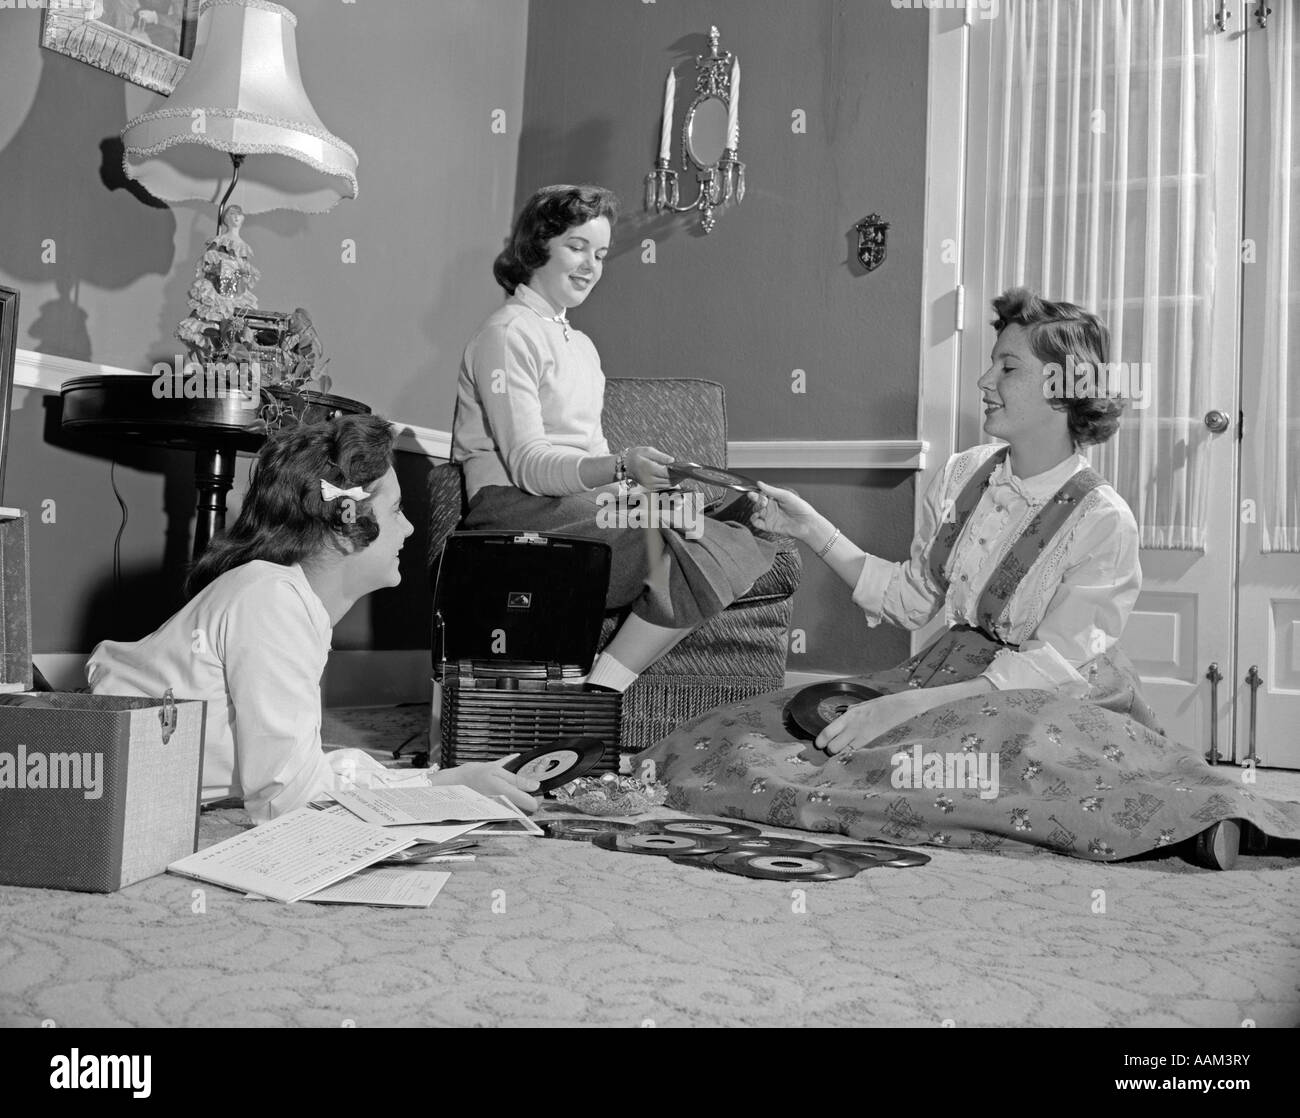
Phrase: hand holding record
x=649 y=466
x=784 y=513
x=815 y=708
x=862 y=724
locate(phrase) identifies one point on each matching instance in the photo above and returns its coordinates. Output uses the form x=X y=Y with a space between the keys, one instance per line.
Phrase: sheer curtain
x=1101 y=148
x=1279 y=427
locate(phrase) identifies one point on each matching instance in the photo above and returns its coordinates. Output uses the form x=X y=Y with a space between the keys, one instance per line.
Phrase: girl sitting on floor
x=1022 y=723
x=321 y=527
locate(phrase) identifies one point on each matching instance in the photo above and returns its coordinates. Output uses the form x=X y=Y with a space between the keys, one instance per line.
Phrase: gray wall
x=411 y=85
x=776 y=286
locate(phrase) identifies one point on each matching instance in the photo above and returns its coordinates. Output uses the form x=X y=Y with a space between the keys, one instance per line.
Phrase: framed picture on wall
x=8 y=343
x=148 y=42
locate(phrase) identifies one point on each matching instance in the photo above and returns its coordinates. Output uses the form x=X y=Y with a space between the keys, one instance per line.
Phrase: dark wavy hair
x=546 y=215
x=284 y=518
x=1061 y=331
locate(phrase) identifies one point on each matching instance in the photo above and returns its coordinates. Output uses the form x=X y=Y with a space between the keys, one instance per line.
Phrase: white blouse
x=1073 y=602
x=253 y=644
x=528 y=401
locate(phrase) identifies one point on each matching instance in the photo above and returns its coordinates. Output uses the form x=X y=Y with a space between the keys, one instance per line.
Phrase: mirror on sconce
x=710 y=139
x=706 y=131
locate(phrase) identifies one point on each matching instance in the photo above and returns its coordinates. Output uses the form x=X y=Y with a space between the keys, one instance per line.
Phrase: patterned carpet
x=543 y=932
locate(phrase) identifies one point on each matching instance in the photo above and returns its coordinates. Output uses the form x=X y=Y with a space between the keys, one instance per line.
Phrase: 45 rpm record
x=775 y=844
x=659 y=844
x=682 y=470
x=821 y=866
x=868 y=856
x=700 y=828
x=818 y=705
x=583 y=830
x=558 y=762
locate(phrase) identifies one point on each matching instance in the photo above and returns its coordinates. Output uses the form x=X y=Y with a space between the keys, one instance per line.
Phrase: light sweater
x=528 y=401
x=1073 y=602
x=253 y=644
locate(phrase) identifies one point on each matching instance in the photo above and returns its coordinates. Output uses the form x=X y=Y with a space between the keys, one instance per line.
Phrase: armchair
x=740 y=652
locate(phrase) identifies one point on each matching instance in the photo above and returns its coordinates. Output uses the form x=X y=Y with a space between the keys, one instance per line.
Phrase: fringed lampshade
x=241 y=96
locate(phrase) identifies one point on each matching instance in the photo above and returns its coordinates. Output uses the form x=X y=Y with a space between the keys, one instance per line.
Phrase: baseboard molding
x=352 y=678
x=66 y=671
x=47 y=372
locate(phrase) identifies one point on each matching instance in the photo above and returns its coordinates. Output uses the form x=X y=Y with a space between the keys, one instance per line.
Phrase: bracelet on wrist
x=620 y=467
x=826 y=547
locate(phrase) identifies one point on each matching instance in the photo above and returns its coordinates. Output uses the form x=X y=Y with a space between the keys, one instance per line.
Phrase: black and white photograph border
x=707 y=291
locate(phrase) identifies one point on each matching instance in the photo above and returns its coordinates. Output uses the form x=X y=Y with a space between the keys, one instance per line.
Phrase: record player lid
x=521 y=597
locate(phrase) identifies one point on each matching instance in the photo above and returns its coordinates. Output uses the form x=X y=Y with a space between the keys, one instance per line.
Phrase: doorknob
x=1217 y=421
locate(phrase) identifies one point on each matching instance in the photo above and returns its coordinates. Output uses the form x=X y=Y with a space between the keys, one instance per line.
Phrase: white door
x=1266 y=684
x=1182 y=634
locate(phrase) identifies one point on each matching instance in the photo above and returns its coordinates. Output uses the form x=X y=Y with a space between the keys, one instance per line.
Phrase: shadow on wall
x=401 y=617
x=84 y=221
x=130 y=603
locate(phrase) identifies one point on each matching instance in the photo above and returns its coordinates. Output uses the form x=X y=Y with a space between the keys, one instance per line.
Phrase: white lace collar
x=1041 y=487
x=540 y=307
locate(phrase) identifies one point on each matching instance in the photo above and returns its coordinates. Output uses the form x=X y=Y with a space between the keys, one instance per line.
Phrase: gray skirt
x=700 y=578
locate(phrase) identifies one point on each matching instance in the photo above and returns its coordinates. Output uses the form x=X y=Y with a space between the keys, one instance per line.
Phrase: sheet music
x=292 y=856
x=442 y=804
x=389 y=886
x=421 y=832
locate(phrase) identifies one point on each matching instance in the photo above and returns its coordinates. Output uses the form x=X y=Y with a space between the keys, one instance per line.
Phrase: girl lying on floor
x=321 y=527
x=1033 y=560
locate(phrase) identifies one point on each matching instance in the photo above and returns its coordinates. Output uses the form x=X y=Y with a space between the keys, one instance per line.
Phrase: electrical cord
x=117 y=542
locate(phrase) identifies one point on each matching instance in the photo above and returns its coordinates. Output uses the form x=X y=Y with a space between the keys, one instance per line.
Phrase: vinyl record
x=559 y=762
x=816 y=706
x=699 y=828
x=583 y=830
x=661 y=845
x=821 y=866
x=775 y=844
x=868 y=856
x=682 y=470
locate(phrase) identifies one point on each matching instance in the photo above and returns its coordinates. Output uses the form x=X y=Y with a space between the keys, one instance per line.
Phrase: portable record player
x=517 y=618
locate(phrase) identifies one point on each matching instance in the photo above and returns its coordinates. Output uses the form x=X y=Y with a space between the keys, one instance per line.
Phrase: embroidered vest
x=1038 y=533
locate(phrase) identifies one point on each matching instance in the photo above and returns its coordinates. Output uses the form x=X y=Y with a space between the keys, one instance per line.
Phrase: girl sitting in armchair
x=1033 y=560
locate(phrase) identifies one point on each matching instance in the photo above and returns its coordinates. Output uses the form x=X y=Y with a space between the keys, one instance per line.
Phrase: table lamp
x=241 y=98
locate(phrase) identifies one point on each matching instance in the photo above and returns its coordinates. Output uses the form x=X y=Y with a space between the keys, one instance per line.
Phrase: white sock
x=608 y=672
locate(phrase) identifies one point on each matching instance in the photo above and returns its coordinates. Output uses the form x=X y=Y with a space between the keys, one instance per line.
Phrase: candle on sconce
x=733 y=108
x=666 y=131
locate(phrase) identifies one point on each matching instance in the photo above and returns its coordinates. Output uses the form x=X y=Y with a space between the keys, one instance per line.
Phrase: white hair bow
x=330 y=492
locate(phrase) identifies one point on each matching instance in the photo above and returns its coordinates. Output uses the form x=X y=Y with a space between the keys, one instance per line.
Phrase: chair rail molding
x=47 y=372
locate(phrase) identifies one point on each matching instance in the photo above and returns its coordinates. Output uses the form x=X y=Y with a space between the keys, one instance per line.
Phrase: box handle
x=167 y=716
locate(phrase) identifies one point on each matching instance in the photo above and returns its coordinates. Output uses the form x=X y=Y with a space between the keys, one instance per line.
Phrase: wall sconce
x=710 y=138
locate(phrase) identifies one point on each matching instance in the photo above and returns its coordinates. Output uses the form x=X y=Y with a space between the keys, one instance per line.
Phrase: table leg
x=214 y=475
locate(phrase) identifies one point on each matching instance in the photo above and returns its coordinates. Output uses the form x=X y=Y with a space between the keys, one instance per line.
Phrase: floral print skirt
x=1010 y=771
